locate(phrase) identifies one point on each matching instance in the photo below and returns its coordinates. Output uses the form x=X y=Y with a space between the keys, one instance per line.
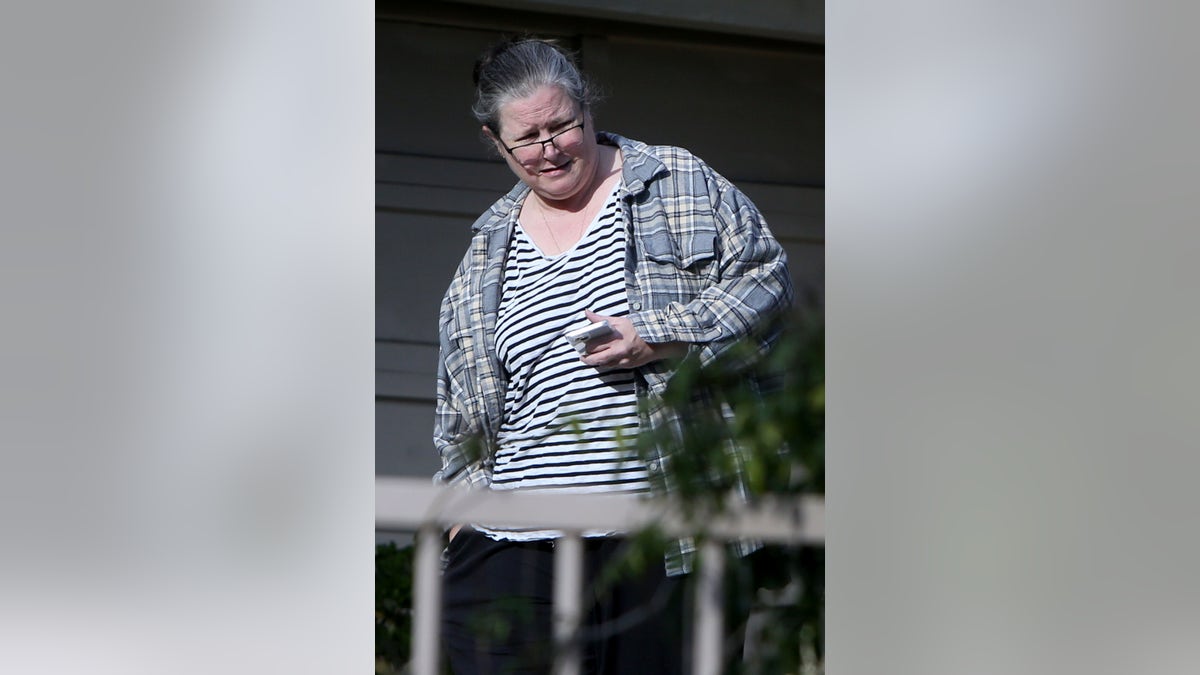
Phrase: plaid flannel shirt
x=702 y=267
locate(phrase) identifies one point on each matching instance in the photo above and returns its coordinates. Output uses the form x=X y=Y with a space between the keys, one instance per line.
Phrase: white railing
x=414 y=505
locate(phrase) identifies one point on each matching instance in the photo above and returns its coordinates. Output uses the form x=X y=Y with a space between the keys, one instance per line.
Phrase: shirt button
x=652 y=467
x=636 y=306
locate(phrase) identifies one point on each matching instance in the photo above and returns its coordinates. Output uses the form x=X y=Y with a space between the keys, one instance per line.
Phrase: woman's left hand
x=624 y=348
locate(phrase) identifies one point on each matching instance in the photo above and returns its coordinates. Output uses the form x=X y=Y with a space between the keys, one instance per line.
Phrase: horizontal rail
x=423 y=507
x=409 y=504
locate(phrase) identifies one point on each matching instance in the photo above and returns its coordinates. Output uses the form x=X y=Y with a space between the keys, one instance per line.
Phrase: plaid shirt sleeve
x=455 y=427
x=467 y=382
x=713 y=273
x=454 y=435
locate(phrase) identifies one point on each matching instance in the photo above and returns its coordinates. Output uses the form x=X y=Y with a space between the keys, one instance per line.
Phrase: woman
x=599 y=228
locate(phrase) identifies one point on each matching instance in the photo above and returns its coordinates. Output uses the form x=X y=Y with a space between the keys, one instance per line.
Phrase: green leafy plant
x=776 y=441
x=393 y=607
x=776 y=404
x=775 y=597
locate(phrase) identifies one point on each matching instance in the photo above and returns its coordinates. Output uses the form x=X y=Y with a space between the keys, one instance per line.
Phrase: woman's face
x=555 y=171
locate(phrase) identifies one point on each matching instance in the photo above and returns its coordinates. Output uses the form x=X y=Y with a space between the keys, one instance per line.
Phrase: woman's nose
x=549 y=149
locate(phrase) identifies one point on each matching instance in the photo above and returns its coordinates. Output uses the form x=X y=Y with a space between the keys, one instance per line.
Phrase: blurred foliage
x=775 y=596
x=776 y=403
x=393 y=607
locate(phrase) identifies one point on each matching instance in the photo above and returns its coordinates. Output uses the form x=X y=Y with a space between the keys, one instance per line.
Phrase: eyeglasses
x=532 y=151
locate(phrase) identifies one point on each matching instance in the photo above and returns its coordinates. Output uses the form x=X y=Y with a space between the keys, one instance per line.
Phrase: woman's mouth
x=556 y=169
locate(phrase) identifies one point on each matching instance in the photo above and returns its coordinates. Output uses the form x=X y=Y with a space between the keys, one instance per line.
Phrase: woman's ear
x=497 y=144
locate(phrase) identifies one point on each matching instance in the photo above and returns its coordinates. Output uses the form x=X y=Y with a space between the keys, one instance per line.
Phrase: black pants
x=499 y=607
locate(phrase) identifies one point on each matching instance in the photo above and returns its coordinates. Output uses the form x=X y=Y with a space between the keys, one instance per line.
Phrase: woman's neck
x=605 y=168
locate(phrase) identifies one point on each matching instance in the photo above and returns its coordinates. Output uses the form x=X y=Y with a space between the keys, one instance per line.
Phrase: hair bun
x=494 y=52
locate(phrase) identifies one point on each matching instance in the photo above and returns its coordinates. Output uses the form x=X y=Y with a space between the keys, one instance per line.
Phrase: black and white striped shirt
x=567 y=426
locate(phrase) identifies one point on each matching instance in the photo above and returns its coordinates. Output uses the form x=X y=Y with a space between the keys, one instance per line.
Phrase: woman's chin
x=554 y=187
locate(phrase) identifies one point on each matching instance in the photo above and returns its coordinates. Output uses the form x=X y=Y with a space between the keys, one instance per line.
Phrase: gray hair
x=516 y=68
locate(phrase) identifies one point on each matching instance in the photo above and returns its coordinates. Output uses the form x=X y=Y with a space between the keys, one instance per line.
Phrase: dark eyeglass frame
x=542 y=150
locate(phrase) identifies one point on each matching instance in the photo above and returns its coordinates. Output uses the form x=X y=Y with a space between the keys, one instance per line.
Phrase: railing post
x=568 y=603
x=709 y=637
x=427 y=600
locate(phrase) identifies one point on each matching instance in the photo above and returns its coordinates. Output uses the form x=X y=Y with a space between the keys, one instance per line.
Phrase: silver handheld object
x=579 y=337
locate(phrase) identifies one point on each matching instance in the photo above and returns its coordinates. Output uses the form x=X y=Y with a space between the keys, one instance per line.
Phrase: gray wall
x=752 y=105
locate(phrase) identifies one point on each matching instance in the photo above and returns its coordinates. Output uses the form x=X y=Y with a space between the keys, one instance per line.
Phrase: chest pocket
x=693 y=252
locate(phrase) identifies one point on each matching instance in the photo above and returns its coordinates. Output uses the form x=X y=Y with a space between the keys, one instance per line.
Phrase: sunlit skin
x=562 y=181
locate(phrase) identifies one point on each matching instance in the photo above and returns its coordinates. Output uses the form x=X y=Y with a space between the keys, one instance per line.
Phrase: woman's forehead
x=546 y=104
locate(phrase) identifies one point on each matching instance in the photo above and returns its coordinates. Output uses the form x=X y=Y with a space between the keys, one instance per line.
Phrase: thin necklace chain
x=542 y=209
x=598 y=183
x=559 y=247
